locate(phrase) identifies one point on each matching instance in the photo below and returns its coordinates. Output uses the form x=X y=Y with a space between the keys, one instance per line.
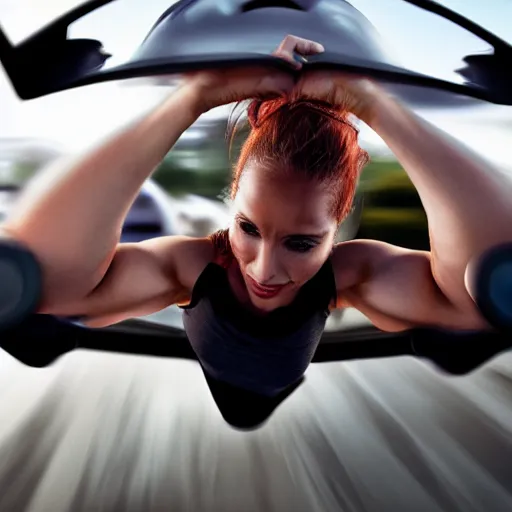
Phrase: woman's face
x=282 y=233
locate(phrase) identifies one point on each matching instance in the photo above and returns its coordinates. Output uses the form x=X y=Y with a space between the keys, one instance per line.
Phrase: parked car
x=151 y=215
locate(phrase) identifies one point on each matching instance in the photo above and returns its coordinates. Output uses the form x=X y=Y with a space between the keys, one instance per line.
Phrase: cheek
x=301 y=267
x=244 y=248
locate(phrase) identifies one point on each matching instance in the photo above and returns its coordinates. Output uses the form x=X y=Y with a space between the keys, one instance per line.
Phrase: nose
x=264 y=268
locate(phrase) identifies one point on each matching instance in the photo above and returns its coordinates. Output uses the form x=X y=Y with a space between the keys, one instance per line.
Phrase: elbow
x=61 y=279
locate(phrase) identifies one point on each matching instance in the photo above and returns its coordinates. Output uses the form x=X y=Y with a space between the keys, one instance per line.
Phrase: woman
x=256 y=297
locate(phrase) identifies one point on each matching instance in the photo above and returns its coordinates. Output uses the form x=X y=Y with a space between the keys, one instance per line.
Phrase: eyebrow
x=317 y=236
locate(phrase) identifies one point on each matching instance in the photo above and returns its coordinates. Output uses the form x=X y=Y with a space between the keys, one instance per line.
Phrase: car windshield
x=185 y=194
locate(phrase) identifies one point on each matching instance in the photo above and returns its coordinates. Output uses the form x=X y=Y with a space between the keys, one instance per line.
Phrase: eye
x=300 y=245
x=248 y=228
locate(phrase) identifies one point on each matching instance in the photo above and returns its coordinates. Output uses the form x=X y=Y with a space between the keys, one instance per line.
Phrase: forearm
x=467 y=201
x=72 y=217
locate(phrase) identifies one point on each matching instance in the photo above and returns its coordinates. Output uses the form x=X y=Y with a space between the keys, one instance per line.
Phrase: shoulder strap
x=323 y=286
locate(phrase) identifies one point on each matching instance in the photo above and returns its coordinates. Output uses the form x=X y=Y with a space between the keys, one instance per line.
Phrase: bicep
x=396 y=288
x=140 y=280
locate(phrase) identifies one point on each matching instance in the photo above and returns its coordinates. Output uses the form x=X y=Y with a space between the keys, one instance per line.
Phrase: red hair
x=308 y=137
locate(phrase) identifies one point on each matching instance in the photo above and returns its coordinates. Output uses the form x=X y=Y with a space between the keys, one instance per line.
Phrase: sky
x=79 y=118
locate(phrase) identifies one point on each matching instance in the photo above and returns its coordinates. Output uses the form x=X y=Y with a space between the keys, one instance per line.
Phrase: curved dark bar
x=48 y=62
x=41 y=339
x=366 y=342
x=458 y=353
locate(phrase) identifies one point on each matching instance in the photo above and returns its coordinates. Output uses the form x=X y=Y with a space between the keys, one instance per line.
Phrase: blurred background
x=106 y=433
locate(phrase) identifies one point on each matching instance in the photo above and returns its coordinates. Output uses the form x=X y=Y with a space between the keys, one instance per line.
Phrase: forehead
x=284 y=201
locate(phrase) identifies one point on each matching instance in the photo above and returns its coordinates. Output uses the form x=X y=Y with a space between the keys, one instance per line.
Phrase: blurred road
x=112 y=433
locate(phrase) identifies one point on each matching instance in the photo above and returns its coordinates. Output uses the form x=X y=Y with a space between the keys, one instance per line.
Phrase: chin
x=265 y=305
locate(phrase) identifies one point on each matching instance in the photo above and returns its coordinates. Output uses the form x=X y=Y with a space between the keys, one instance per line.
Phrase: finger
x=299 y=44
x=293 y=49
x=307 y=47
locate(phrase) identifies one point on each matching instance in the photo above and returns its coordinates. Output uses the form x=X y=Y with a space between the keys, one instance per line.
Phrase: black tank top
x=262 y=354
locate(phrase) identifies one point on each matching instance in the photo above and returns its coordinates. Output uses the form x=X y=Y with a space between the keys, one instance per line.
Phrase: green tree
x=393 y=211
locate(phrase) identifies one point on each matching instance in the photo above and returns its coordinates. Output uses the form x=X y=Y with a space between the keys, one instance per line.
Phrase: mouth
x=265 y=292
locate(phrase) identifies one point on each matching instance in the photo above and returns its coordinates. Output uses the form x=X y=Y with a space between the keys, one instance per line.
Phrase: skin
x=73 y=226
x=283 y=240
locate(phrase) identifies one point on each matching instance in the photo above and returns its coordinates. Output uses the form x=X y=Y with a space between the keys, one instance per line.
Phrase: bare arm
x=395 y=288
x=72 y=217
x=142 y=278
x=469 y=210
x=467 y=201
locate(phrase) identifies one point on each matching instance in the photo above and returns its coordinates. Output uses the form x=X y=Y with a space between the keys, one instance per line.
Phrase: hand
x=358 y=95
x=221 y=87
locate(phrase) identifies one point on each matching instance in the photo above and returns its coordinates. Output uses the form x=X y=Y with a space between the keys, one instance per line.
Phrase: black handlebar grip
x=20 y=283
x=493 y=286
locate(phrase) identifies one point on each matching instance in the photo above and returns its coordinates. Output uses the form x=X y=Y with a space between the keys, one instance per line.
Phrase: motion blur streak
x=121 y=433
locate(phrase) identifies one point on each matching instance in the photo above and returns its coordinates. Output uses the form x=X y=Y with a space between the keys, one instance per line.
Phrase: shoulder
x=184 y=257
x=361 y=262
x=355 y=261
x=191 y=255
x=372 y=252
x=396 y=287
